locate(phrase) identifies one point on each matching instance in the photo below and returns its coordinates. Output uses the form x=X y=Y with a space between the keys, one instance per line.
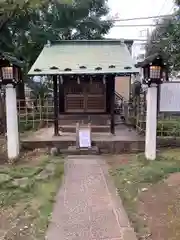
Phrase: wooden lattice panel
x=85 y=97
x=96 y=103
x=75 y=103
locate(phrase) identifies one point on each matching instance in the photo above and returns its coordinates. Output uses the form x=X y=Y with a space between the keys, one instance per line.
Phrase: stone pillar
x=151 y=123
x=13 y=145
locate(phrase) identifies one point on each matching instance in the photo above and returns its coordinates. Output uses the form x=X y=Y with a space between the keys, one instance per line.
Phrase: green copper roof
x=84 y=57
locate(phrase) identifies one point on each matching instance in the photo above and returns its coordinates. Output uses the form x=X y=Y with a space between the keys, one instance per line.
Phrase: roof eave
x=83 y=73
x=13 y=60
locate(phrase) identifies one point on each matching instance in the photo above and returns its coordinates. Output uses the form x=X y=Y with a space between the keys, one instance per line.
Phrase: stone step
x=94 y=128
x=72 y=150
x=93 y=119
x=94 y=122
x=83 y=116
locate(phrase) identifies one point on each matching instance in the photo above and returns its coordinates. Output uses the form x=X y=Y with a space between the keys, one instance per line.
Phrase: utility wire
x=162 y=7
x=142 y=18
x=139 y=25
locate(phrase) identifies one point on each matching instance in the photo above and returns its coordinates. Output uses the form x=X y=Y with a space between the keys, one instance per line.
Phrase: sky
x=124 y=9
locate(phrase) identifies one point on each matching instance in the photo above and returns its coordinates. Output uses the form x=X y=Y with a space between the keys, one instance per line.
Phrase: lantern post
x=9 y=77
x=154 y=68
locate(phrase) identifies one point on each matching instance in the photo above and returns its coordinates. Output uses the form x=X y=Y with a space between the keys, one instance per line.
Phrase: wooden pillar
x=20 y=89
x=112 y=104
x=61 y=94
x=56 y=130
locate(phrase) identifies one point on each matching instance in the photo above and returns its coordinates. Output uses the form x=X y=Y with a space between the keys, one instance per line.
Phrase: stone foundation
x=104 y=147
x=108 y=147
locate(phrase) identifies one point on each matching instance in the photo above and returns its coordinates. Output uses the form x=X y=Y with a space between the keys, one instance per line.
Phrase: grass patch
x=137 y=175
x=35 y=196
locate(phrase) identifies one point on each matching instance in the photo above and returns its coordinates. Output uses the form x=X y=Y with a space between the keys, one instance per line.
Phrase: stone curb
x=127 y=231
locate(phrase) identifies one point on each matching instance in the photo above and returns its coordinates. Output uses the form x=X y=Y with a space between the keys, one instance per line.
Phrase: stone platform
x=124 y=140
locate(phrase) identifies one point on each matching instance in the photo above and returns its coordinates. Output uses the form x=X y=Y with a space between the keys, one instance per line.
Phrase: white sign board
x=85 y=138
x=169 y=97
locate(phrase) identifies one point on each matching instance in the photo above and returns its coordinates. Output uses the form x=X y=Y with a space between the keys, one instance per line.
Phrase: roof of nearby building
x=150 y=59
x=11 y=59
x=84 y=57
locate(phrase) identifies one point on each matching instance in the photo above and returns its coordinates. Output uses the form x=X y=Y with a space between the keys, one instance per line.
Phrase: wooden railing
x=119 y=103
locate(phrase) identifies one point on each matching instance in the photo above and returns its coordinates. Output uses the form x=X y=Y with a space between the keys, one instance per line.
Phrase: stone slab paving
x=87 y=207
x=123 y=133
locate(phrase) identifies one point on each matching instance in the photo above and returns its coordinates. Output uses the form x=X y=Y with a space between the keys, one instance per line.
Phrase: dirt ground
x=157 y=207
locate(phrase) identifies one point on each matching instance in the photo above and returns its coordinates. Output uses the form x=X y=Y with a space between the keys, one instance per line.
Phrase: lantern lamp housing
x=7 y=73
x=154 y=70
x=10 y=69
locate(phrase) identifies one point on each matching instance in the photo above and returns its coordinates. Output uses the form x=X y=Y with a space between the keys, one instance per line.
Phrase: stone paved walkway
x=87 y=206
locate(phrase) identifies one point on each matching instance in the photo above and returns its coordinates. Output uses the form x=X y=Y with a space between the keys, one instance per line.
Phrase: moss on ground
x=31 y=199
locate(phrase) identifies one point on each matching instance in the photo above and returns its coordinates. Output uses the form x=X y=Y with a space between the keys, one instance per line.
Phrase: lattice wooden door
x=85 y=97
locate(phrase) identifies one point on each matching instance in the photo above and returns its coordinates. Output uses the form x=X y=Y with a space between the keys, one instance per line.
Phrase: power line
x=172 y=8
x=137 y=40
x=143 y=41
x=142 y=18
x=139 y=25
x=162 y=7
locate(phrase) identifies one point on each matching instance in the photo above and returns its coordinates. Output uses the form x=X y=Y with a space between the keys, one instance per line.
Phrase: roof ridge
x=120 y=41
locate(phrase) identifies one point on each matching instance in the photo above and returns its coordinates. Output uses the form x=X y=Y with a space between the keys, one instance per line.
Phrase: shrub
x=168 y=128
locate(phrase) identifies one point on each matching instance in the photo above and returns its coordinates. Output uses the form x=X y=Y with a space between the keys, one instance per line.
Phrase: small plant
x=169 y=128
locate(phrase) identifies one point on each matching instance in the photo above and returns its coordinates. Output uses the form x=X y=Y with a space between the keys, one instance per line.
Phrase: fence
x=34 y=114
x=168 y=125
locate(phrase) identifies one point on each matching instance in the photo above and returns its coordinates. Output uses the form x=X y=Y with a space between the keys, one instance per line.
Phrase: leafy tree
x=165 y=38
x=10 y=8
x=40 y=89
x=29 y=30
x=26 y=34
x=159 y=39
